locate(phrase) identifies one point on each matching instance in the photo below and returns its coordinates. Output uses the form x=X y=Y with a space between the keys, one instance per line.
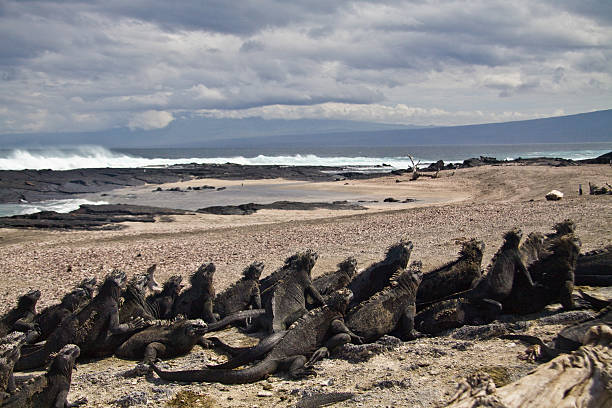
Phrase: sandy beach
x=480 y=202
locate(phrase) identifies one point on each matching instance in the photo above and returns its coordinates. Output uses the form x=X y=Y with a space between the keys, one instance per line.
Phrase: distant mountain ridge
x=581 y=128
x=192 y=132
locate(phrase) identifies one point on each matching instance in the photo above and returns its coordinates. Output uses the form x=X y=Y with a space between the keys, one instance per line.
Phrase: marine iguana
x=10 y=346
x=163 y=341
x=330 y=282
x=161 y=303
x=314 y=334
x=555 y=283
x=24 y=312
x=134 y=301
x=51 y=389
x=453 y=277
x=265 y=284
x=568 y=339
x=287 y=302
x=243 y=294
x=49 y=318
x=594 y=268
x=506 y=263
x=196 y=302
x=390 y=309
x=376 y=276
x=90 y=328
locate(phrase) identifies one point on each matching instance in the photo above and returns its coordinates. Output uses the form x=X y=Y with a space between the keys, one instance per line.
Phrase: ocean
x=352 y=158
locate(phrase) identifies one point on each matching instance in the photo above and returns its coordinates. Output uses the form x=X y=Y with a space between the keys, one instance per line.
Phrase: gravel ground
x=419 y=373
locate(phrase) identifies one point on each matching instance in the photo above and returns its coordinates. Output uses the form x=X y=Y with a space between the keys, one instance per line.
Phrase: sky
x=81 y=66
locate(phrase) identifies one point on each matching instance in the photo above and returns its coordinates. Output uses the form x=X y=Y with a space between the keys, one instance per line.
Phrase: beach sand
x=478 y=202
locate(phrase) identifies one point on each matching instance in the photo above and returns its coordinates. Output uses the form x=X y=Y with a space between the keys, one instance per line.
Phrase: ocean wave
x=60 y=206
x=99 y=157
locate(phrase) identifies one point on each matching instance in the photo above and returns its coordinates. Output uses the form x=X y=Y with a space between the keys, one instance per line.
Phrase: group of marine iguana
x=304 y=319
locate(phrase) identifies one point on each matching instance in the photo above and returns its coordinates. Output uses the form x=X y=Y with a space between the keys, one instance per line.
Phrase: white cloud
x=150 y=120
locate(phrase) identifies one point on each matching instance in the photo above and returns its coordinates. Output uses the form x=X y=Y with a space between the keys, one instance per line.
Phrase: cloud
x=150 y=120
x=79 y=66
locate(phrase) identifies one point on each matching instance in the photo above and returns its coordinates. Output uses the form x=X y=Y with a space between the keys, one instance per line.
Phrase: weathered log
x=580 y=379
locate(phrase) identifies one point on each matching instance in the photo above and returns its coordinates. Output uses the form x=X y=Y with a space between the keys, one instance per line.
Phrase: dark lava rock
x=250 y=208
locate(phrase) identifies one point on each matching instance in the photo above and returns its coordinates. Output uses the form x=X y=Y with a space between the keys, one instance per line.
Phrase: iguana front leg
x=407 y=324
x=207 y=311
x=152 y=351
x=338 y=327
x=61 y=400
x=312 y=291
x=115 y=328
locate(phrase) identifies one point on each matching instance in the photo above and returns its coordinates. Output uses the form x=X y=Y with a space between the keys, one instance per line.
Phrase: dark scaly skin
x=163 y=341
x=453 y=277
x=531 y=248
x=267 y=283
x=390 y=309
x=89 y=328
x=162 y=303
x=319 y=327
x=287 y=302
x=376 y=276
x=245 y=355
x=196 y=302
x=51 y=389
x=134 y=300
x=555 y=269
x=243 y=294
x=330 y=282
x=24 y=313
x=10 y=346
x=506 y=263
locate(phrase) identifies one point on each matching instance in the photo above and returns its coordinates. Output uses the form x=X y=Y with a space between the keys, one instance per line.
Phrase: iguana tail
x=224 y=376
x=249 y=354
x=235 y=317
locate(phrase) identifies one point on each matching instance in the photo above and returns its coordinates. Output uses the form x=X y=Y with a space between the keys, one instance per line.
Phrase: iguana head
x=74 y=299
x=28 y=300
x=472 y=248
x=253 y=271
x=512 y=238
x=63 y=362
x=399 y=253
x=304 y=260
x=88 y=285
x=348 y=266
x=566 y=247
x=113 y=284
x=565 y=227
x=339 y=300
x=203 y=275
x=194 y=328
x=143 y=281
x=173 y=286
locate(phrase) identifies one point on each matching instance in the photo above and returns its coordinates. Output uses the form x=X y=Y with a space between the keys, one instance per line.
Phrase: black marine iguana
x=390 y=309
x=134 y=301
x=10 y=346
x=555 y=278
x=90 y=327
x=24 y=313
x=330 y=282
x=453 y=277
x=49 y=318
x=452 y=313
x=243 y=294
x=376 y=276
x=163 y=341
x=196 y=302
x=287 y=302
x=51 y=389
x=506 y=264
x=314 y=334
x=161 y=303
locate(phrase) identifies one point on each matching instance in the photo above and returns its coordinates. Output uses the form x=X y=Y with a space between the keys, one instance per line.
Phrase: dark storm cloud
x=73 y=65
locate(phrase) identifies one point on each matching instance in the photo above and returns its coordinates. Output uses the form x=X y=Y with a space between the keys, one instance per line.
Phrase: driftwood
x=580 y=379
